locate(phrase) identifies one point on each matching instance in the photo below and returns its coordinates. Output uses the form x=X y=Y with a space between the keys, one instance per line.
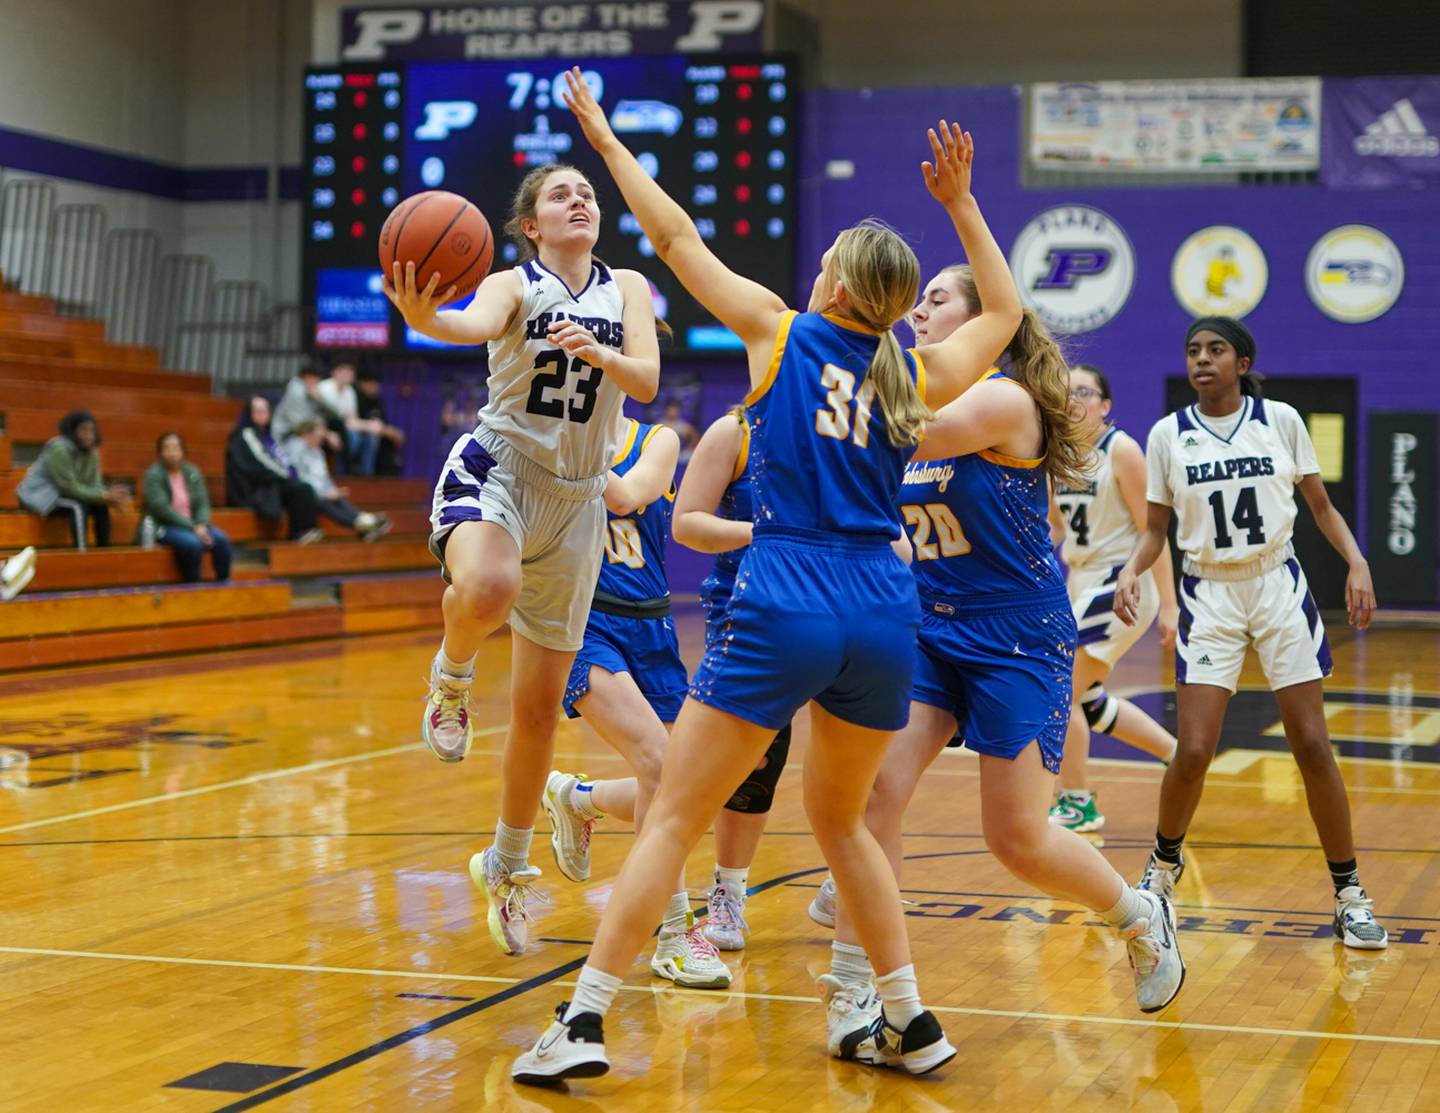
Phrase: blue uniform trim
x=1245 y=412
x=1258 y=410
x=1183 y=423
x=1099 y=605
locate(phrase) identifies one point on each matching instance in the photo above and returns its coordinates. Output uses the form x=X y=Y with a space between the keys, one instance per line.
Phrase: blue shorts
x=814 y=616
x=1003 y=670
x=644 y=647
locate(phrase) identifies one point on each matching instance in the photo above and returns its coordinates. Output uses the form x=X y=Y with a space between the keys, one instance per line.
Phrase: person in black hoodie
x=257 y=476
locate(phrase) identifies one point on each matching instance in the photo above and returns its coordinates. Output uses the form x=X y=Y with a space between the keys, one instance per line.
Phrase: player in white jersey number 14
x=1227 y=468
x=518 y=517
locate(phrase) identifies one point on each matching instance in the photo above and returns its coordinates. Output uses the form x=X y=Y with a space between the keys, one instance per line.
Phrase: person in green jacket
x=66 y=479
x=174 y=499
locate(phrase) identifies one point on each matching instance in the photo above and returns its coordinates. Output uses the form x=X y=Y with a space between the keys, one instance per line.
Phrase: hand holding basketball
x=416 y=306
x=588 y=112
x=948 y=177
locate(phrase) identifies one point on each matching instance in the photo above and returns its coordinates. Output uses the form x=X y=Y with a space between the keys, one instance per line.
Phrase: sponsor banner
x=1228 y=124
x=530 y=30
x=1381 y=133
x=1219 y=270
x=1402 y=532
x=1074 y=266
x=1354 y=273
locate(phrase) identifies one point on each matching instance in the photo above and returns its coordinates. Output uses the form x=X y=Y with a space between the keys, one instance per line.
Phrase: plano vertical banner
x=434 y=32
x=1402 y=520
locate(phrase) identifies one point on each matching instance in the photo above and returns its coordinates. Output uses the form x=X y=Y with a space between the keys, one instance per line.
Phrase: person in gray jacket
x=67 y=480
x=303 y=453
x=302 y=401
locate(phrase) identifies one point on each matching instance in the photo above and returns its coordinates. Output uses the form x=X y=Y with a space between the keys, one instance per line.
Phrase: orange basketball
x=441 y=233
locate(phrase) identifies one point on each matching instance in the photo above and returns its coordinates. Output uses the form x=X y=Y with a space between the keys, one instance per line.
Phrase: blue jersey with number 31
x=820 y=453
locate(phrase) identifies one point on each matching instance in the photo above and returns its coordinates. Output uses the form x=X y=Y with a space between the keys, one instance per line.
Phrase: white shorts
x=1274 y=612
x=1092 y=597
x=557 y=524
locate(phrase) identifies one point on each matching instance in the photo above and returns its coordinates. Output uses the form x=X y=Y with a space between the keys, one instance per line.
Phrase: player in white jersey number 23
x=518 y=516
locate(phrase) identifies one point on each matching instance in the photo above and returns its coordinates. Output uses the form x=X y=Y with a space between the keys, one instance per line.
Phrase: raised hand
x=416 y=306
x=948 y=177
x=581 y=101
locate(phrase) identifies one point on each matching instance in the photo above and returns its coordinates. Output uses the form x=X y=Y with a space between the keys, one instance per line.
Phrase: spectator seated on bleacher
x=302 y=450
x=362 y=438
x=302 y=402
x=258 y=476
x=67 y=480
x=174 y=500
x=371 y=407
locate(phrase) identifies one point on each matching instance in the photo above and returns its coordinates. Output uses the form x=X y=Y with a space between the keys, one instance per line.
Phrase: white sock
x=676 y=912
x=899 y=997
x=1129 y=908
x=460 y=670
x=735 y=881
x=513 y=846
x=583 y=801
x=594 y=992
x=850 y=964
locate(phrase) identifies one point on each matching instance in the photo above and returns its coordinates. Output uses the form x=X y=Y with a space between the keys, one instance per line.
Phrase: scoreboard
x=718 y=133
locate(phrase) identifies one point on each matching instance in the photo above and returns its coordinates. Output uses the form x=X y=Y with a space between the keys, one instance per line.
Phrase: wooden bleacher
x=125 y=602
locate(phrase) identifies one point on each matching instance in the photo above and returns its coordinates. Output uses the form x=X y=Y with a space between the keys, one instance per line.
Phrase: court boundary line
x=518 y=986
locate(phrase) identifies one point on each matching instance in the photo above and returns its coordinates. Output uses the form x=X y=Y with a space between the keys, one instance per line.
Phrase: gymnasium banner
x=1402 y=529
x=1381 y=133
x=530 y=30
x=1224 y=125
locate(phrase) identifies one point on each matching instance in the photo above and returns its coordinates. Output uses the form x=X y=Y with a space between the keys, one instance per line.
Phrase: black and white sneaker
x=567 y=1049
x=1161 y=878
x=919 y=1049
x=1355 y=923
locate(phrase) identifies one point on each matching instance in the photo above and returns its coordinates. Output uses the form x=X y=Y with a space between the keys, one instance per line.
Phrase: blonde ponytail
x=881 y=277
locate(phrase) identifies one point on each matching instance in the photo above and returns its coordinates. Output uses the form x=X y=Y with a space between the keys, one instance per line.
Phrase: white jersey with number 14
x=1230 y=482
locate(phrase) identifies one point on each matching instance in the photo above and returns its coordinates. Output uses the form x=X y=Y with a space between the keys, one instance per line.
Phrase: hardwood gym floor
x=240 y=867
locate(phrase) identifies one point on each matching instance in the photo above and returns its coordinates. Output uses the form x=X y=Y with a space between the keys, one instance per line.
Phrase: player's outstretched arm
x=748 y=308
x=1359 y=589
x=961 y=358
x=1147 y=551
x=486 y=318
x=652 y=475
x=712 y=468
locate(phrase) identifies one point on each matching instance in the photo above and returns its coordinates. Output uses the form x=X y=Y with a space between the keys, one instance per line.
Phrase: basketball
x=442 y=234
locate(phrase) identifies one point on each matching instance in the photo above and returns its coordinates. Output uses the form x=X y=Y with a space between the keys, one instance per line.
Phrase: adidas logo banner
x=1381 y=133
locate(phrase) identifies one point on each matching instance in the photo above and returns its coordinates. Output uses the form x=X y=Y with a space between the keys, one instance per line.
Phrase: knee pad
x=755 y=796
x=1100 y=707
